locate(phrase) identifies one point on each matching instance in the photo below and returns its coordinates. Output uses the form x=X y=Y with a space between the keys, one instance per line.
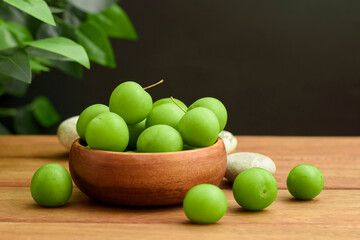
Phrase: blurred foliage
x=38 y=35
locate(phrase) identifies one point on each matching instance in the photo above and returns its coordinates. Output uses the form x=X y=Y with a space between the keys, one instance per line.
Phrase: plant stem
x=153 y=85
x=177 y=104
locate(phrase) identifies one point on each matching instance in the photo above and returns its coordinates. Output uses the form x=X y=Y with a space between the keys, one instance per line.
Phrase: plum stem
x=153 y=85
x=177 y=104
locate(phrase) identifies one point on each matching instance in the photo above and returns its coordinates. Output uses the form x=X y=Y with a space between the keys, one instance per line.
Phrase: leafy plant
x=37 y=35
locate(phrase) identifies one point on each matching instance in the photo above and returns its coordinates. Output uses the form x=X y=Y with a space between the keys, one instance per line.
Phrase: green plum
x=160 y=138
x=255 y=189
x=305 y=181
x=86 y=116
x=199 y=127
x=168 y=100
x=205 y=204
x=167 y=113
x=107 y=131
x=214 y=105
x=51 y=185
x=131 y=102
x=134 y=132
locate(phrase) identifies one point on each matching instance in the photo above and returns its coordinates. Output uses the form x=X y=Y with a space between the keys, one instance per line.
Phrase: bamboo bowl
x=145 y=179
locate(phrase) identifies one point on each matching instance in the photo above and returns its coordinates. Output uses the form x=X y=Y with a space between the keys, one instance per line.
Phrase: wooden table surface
x=334 y=214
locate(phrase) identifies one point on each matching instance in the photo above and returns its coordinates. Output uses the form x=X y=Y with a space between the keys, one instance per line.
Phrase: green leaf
x=115 y=22
x=15 y=88
x=39 y=53
x=45 y=61
x=20 y=32
x=11 y=14
x=56 y=9
x=63 y=46
x=47 y=31
x=71 y=68
x=4 y=130
x=62 y=29
x=7 y=40
x=36 y=8
x=44 y=112
x=12 y=86
x=96 y=43
x=15 y=64
x=24 y=122
x=38 y=67
x=92 y=6
x=7 y=112
x=73 y=16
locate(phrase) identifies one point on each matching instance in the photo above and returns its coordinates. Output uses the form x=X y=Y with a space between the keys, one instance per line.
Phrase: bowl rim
x=77 y=144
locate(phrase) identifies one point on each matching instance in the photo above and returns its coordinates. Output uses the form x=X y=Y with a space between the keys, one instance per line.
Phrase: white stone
x=67 y=133
x=229 y=141
x=239 y=162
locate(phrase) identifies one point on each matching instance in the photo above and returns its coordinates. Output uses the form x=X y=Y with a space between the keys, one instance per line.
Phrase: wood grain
x=334 y=214
x=286 y=218
x=16 y=205
x=19 y=171
x=145 y=179
x=337 y=157
x=45 y=146
x=90 y=231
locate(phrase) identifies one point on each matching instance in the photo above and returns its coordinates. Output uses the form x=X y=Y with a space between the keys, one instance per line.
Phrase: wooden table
x=334 y=214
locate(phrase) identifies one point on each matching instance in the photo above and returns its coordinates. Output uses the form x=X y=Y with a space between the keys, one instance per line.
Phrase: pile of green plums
x=132 y=122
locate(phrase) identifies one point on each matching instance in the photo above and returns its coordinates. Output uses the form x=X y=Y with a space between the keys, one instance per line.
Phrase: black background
x=280 y=67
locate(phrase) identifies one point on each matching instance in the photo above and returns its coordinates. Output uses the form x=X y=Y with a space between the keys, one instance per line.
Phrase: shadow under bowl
x=145 y=179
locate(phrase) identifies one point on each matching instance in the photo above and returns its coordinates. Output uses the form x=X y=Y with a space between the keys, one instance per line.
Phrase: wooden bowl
x=145 y=179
